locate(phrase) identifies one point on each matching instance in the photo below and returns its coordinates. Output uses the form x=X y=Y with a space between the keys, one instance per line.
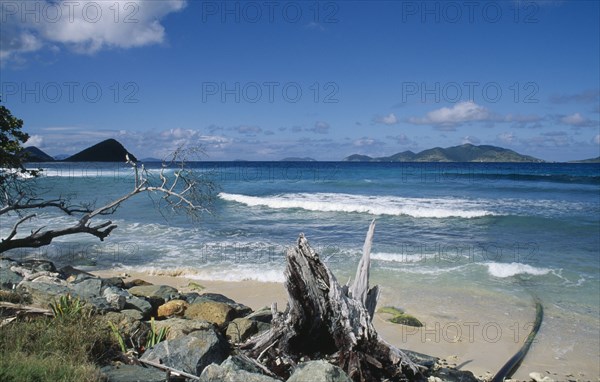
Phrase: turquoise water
x=490 y=229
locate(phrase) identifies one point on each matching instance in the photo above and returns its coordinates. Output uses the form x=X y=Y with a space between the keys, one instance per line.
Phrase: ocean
x=486 y=232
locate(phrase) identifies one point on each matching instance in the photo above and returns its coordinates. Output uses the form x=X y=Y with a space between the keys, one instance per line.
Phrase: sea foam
x=373 y=205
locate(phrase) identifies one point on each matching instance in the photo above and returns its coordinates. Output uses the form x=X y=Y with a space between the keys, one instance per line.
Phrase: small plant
x=155 y=336
x=118 y=336
x=67 y=307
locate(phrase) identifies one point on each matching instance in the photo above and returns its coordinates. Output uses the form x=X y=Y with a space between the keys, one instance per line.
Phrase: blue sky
x=268 y=80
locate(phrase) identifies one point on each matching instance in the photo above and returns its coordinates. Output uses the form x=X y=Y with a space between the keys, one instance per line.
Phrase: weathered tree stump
x=324 y=320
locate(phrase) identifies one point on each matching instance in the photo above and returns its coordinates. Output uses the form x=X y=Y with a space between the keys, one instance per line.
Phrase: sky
x=266 y=80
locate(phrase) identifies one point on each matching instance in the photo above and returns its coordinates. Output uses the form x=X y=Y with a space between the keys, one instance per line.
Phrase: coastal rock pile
x=202 y=332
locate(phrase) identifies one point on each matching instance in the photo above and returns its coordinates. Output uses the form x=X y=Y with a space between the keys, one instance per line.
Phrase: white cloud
x=389 y=119
x=447 y=118
x=470 y=139
x=577 y=120
x=35 y=140
x=83 y=26
x=597 y=139
x=364 y=141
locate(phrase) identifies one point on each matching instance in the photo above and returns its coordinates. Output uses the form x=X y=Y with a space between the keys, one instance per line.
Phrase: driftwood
x=324 y=320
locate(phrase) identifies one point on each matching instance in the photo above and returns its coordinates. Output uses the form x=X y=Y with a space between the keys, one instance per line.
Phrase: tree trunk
x=326 y=320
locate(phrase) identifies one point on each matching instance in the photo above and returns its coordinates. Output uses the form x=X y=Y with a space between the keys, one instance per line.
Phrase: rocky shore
x=196 y=336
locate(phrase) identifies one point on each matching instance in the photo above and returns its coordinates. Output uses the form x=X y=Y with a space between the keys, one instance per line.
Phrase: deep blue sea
x=507 y=231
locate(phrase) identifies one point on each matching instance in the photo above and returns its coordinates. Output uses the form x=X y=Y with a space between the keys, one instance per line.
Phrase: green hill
x=106 y=151
x=462 y=153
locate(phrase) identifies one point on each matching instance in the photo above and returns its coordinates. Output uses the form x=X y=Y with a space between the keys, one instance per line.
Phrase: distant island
x=33 y=154
x=591 y=160
x=296 y=159
x=462 y=153
x=109 y=150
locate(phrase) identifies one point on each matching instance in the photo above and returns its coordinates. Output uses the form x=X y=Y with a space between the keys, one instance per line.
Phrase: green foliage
x=68 y=308
x=118 y=336
x=11 y=143
x=155 y=336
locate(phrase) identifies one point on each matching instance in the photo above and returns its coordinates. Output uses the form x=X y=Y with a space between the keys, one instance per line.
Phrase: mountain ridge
x=109 y=150
x=462 y=153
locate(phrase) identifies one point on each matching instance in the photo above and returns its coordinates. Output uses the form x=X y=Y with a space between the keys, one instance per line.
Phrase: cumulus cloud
x=447 y=118
x=35 y=140
x=577 y=120
x=471 y=139
x=389 y=119
x=83 y=26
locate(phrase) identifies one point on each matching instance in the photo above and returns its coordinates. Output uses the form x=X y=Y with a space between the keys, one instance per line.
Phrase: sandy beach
x=476 y=334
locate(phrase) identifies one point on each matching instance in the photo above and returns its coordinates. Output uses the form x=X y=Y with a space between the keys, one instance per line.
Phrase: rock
x=161 y=291
x=214 y=373
x=135 y=314
x=262 y=315
x=318 y=371
x=115 y=297
x=452 y=375
x=240 y=329
x=132 y=329
x=43 y=293
x=6 y=263
x=113 y=281
x=241 y=309
x=100 y=305
x=76 y=274
x=39 y=265
x=216 y=312
x=235 y=363
x=140 y=304
x=172 y=308
x=191 y=353
x=406 y=319
x=88 y=288
x=8 y=279
x=190 y=297
x=133 y=373
x=179 y=327
x=421 y=359
x=537 y=377
x=136 y=282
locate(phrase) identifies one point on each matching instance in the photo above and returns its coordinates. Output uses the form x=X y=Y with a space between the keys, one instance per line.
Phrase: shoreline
x=466 y=333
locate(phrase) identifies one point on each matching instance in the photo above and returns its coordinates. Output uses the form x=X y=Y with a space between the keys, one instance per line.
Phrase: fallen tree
x=324 y=320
